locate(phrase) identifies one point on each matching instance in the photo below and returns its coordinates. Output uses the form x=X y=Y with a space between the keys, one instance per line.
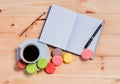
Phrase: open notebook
x=69 y=30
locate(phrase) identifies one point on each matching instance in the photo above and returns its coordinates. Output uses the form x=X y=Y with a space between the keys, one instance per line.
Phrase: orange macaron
x=20 y=64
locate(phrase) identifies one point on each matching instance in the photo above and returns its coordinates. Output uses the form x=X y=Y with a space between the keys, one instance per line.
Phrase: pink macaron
x=57 y=60
x=87 y=54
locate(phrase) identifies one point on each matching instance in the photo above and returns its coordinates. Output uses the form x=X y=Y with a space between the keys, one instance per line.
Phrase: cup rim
x=21 y=53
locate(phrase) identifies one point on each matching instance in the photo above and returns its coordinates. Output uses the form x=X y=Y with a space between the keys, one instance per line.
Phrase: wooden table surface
x=16 y=15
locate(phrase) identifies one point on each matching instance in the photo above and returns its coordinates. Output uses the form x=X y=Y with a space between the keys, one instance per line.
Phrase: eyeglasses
x=26 y=31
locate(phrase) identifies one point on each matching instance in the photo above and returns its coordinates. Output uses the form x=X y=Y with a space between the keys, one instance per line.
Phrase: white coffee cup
x=30 y=53
x=39 y=46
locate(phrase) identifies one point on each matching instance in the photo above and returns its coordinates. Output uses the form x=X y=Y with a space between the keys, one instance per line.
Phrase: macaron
x=21 y=64
x=57 y=51
x=50 y=68
x=67 y=58
x=31 y=68
x=87 y=54
x=57 y=60
x=42 y=63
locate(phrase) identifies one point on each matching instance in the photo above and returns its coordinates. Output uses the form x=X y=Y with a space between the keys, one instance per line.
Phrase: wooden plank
x=101 y=6
x=107 y=6
x=58 y=80
x=21 y=22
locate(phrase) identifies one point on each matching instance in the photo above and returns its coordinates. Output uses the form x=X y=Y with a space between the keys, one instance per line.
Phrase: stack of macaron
x=57 y=59
x=32 y=68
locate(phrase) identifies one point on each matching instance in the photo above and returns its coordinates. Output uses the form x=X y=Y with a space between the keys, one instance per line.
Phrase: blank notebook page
x=58 y=27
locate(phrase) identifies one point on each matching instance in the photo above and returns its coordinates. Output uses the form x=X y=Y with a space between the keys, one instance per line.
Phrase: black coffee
x=31 y=53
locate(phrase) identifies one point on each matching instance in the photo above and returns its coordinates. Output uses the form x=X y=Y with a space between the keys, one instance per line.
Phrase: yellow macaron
x=67 y=58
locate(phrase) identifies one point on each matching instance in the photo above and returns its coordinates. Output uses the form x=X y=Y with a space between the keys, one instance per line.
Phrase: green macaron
x=42 y=63
x=31 y=68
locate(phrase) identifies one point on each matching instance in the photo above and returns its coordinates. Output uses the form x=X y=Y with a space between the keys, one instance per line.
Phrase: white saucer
x=44 y=50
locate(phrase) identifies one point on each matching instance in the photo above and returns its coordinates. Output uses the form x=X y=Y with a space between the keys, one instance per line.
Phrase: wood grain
x=16 y=15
